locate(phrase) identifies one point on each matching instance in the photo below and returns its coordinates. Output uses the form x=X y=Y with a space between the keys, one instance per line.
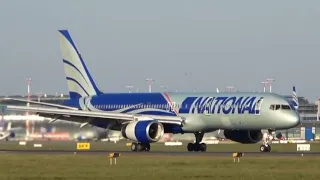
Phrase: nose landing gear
x=265 y=148
x=267 y=137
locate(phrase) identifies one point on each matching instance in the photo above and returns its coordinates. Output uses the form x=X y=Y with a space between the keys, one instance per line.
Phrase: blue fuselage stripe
x=156 y=104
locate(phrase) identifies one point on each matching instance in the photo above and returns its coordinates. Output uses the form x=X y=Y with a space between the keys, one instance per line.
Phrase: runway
x=95 y=152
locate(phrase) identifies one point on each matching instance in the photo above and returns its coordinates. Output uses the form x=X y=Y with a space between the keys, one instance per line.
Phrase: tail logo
x=295 y=101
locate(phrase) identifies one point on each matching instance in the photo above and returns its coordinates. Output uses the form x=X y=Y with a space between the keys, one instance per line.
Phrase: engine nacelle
x=12 y=134
x=279 y=135
x=144 y=131
x=244 y=136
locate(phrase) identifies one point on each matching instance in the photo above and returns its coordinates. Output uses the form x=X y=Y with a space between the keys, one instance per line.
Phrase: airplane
x=144 y=117
x=9 y=132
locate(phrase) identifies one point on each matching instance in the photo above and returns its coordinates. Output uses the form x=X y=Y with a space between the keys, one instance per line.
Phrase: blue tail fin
x=79 y=80
x=295 y=101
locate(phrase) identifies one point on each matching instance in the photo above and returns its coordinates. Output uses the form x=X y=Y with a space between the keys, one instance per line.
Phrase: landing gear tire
x=197 y=147
x=268 y=148
x=203 y=147
x=265 y=148
x=190 y=147
x=147 y=147
x=140 y=147
x=133 y=146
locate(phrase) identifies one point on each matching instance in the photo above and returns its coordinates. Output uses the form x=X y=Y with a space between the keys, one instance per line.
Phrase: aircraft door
x=257 y=107
x=170 y=106
x=173 y=106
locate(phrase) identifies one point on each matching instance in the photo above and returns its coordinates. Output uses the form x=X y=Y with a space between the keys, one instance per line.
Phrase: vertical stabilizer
x=80 y=83
x=295 y=101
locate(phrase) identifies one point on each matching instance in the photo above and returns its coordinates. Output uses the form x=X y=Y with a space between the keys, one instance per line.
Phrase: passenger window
x=277 y=106
x=272 y=107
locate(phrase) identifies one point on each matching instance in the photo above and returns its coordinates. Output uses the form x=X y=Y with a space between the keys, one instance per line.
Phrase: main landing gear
x=197 y=146
x=140 y=146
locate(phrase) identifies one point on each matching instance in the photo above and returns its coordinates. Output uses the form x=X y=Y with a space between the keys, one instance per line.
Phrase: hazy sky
x=222 y=43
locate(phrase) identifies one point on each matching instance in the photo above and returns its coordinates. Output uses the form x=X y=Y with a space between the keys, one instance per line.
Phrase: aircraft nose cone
x=295 y=119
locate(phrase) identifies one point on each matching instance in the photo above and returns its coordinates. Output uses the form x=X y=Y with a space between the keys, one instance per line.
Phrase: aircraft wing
x=41 y=103
x=94 y=118
x=16 y=129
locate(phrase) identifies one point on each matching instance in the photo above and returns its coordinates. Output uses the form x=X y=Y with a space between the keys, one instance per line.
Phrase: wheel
x=268 y=149
x=196 y=147
x=140 y=147
x=265 y=148
x=262 y=148
x=203 y=147
x=134 y=147
x=146 y=147
x=190 y=147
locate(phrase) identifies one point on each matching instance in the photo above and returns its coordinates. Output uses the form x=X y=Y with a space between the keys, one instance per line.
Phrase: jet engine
x=12 y=134
x=279 y=135
x=144 y=131
x=244 y=136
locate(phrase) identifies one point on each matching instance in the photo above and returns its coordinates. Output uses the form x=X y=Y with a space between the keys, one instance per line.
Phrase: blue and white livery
x=145 y=117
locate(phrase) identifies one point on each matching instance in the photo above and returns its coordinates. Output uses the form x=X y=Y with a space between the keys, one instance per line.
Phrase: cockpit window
x=285 y=107
x=272 y=106
x=280 y=106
